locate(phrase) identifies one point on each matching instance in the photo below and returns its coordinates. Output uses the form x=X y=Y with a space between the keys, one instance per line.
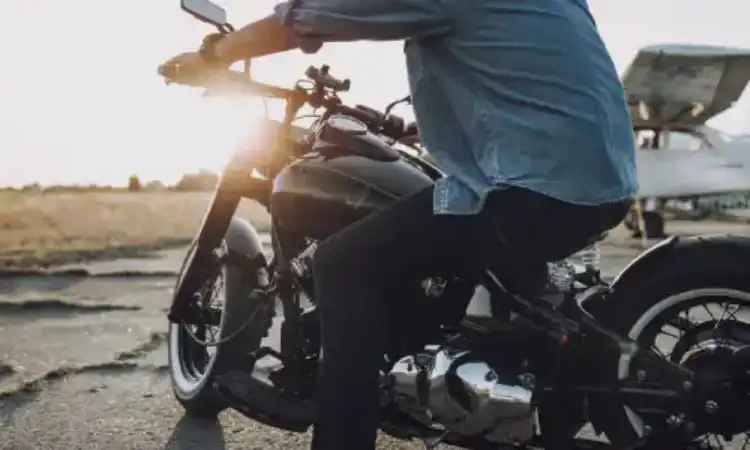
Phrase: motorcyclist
x=520 y=104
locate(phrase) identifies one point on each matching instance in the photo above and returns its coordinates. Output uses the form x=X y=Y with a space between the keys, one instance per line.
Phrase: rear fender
x=716 y=256
x=681 y=256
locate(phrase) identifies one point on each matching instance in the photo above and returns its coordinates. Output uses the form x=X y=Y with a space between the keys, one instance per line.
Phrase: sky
x=80 y=100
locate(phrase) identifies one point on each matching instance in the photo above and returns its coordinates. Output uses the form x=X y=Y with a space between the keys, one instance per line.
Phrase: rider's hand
x=188 y=68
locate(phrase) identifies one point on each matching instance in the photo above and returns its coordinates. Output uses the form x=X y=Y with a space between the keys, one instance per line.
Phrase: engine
x=464 y=395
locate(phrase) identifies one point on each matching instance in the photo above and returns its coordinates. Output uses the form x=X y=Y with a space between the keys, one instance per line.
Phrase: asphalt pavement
x=83 y=361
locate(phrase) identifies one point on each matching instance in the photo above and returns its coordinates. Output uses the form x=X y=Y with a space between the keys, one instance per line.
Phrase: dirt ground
x=43 y=229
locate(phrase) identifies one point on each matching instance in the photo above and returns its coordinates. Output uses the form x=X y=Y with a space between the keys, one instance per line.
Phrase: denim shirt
x=506 y=92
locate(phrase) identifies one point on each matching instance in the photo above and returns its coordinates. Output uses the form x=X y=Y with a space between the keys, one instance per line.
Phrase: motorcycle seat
x=526 y=276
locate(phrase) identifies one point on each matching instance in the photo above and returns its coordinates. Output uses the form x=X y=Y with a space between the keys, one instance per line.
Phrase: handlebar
x=228 y=81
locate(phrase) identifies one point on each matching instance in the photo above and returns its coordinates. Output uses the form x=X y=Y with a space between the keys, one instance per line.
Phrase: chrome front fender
x=243 y=238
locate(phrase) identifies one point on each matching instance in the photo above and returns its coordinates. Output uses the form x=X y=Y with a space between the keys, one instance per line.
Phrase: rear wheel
x=233 y=324
x=697 y=323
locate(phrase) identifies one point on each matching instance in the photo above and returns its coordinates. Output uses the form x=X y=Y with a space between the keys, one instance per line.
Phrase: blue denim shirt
x=505 y=92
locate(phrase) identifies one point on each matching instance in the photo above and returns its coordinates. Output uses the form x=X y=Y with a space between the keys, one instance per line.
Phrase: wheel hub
x=721 y=389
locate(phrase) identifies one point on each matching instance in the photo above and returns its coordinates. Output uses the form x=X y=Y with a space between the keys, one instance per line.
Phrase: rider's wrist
x=210 y=51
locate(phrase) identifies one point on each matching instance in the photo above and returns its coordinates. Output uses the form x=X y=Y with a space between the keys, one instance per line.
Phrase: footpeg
x=260 y=401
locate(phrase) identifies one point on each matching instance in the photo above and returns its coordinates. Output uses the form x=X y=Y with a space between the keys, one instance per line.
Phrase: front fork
x=234 y=184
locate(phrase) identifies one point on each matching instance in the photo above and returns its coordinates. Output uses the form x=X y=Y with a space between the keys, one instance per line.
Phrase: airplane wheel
x=654 y=224
x=630 y=222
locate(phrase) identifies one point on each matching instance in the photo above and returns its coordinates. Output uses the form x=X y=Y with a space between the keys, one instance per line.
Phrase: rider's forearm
x=264 y=37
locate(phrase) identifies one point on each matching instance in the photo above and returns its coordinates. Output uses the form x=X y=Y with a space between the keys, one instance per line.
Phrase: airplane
x=673 y=89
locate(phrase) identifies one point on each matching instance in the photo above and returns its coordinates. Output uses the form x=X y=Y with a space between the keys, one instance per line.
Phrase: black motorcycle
x=487 y=366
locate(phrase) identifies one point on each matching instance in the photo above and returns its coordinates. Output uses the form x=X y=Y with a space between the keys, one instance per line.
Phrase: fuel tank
x=334 y=186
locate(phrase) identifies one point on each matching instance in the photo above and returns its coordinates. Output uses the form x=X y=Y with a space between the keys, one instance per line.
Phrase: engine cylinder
x=464 y=395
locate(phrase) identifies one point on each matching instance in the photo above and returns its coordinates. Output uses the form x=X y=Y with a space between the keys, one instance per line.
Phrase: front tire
x=191 y=379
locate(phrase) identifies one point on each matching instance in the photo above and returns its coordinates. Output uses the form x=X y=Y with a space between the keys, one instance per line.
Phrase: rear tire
x=195 y=391
x=642 y=305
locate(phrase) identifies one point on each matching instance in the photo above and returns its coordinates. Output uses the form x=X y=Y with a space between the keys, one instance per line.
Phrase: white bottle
x=590 y=257
x=560 y=275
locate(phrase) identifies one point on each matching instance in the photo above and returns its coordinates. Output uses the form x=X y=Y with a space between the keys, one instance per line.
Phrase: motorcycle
x=490 y=365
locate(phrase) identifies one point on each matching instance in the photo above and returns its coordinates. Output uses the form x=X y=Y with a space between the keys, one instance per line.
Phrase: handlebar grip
x=174 y=73
x=168 y=71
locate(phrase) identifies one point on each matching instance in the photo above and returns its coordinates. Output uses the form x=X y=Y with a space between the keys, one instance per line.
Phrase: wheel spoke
x=708 y=311
x=692 y=333
x=682 y=324
x=733 y=314
x=724 y=313
x=205 y=334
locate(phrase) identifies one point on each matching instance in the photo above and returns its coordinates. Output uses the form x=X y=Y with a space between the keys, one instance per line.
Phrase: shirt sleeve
x=352 y=20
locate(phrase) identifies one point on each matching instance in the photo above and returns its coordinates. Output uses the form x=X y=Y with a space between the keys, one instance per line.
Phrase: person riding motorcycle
x=520 y=104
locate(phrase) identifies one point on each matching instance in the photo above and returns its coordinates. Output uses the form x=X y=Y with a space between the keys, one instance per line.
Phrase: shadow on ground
x=193 y=433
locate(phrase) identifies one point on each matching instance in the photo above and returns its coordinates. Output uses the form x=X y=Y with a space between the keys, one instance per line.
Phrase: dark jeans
x=358 y=270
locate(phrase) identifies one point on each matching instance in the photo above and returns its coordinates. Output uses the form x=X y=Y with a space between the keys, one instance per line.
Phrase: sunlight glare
x=228 y=123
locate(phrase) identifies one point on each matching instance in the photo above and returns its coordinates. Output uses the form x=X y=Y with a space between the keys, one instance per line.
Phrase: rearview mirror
x=205 y=11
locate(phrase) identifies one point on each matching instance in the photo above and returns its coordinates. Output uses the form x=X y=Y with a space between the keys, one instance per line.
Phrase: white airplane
x=672 y=91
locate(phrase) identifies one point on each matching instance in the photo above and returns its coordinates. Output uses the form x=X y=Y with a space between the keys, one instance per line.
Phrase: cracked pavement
x=83 y=361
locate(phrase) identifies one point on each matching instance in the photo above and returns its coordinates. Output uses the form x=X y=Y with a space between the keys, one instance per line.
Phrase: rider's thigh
x=547 y=229
x=404 y=241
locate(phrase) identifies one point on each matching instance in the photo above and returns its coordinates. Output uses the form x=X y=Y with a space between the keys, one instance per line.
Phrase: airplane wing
x=681 y=86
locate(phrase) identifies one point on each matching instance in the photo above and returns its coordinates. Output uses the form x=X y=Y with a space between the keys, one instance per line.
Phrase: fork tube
x=214 y=227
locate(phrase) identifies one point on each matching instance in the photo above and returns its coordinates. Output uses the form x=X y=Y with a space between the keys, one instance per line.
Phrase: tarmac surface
x=83 y=360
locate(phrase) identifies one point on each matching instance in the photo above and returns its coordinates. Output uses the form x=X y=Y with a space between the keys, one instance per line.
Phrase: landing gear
x=644 y=223
x=653 y=226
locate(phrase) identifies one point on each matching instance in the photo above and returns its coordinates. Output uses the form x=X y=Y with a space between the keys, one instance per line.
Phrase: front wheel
x=234 y=326
x=696 y=322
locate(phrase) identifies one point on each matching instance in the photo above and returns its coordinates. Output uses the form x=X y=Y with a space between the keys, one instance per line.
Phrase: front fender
x=242 y=238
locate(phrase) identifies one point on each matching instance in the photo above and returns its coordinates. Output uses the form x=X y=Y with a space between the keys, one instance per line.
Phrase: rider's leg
x=354 y=272
x=357 y=270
